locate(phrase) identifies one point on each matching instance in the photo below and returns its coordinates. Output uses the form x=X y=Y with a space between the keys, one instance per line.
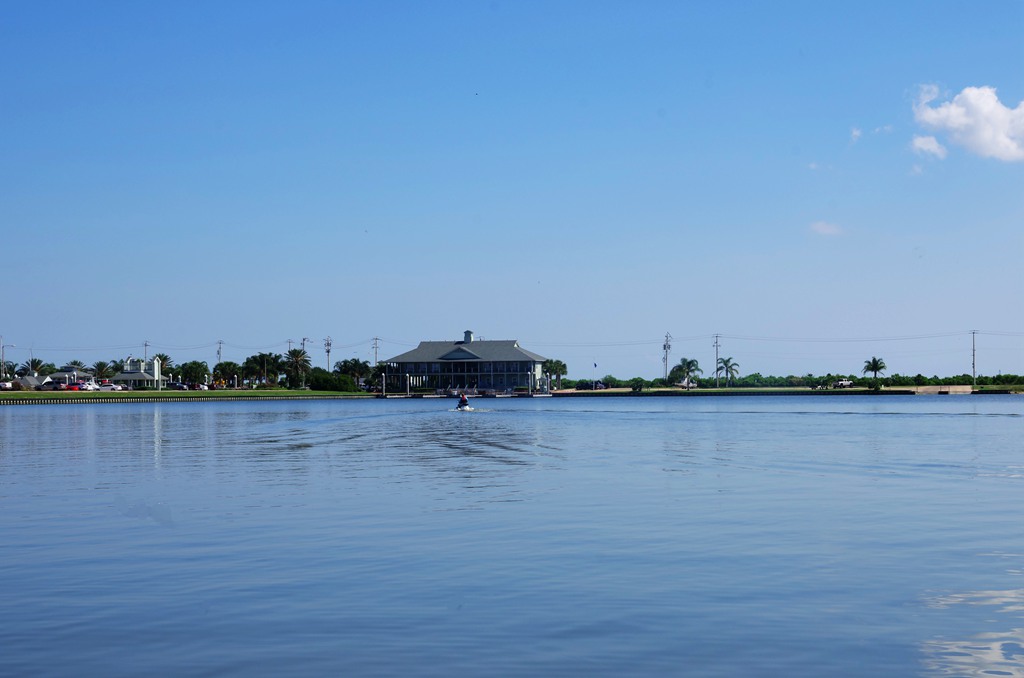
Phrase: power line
x=844 y=340
x=596 y=344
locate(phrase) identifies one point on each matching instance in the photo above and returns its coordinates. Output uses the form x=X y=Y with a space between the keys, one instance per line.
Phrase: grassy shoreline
x=710 y=392
x=49 y=397
x=62 y=397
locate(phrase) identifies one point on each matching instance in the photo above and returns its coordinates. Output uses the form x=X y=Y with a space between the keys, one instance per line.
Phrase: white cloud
x=825 y=228
x=855 y=134
x=976 y=120
x=929 y=146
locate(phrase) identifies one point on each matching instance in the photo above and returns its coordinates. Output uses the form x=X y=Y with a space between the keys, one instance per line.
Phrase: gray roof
x=77 y=373
x=136 y=376
x=504 y=350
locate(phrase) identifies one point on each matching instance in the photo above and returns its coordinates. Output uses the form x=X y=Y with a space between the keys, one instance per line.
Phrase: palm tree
x=377 y=375
x=117 y=366
x=31 y=366
x=875 y=365
x=78 y=365
x=252 y=369
x=728 y=369
x=226 y=371
x=263 y=366
x=686 y=369
x=296 y=365
x=353 y=367
x=194 y=372
x=165 y=361
x=102 y=370
x=556 y=369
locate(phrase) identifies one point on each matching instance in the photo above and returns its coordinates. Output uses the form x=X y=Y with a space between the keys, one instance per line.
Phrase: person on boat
x=463 y=401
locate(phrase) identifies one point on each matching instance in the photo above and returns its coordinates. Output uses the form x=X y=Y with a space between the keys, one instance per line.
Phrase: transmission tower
x=666 y=347
x=974 y=364
x=718 y=372
x=327 y=347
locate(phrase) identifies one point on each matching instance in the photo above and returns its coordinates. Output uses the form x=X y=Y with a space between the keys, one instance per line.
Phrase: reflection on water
x=987 y=654
x=1011 y=600
x=983 y=654
x=158 y=513
x=712 y=537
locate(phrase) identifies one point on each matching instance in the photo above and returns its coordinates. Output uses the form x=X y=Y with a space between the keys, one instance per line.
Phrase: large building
x=141 y=374
x=470 y=364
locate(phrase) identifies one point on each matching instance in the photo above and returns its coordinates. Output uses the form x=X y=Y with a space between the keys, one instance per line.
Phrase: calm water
x=812 y=536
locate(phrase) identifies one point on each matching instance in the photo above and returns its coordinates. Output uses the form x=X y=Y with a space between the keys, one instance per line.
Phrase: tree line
x=294 y=370
x=263 y=370
x=687 y=372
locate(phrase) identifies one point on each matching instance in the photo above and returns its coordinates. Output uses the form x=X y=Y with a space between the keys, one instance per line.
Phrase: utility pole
x=220 y=346
x=327 y=347
x=974 y=355
x=666 y=347
x=145 y=353
x=718 y=372
x=290 y=342
x=376 y=345
x=3 y=358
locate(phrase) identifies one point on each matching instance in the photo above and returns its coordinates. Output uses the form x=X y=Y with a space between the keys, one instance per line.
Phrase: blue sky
x=581 y=176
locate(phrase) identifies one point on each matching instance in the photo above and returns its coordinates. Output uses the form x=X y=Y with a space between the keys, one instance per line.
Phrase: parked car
x=842 y=383
x=177 y=386
x=110 y=387
x=71 y=387
x=88 y=386
x=54 y=386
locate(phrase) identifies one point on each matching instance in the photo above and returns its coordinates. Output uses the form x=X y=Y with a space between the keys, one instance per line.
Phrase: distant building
x=70 y=374
x=30 y=382
x=469 y=364
x=140 y=374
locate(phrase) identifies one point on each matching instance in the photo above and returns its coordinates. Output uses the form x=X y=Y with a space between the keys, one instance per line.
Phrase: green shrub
x=321 y=380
